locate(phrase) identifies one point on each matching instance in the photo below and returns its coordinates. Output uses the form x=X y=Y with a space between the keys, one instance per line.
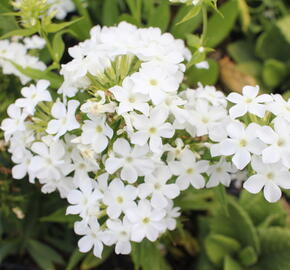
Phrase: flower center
x=281 y=142
x=152 y=130
x=153 y=82
x=120 y=199
x=219 y=169
x=205 y=120
x=189 y=171
x=248 y=100
x=157 y=186
x=146 y=220
x=129 y=159
x=131 y=99
x=243 y=143
x=270 y=176
x=99 y=129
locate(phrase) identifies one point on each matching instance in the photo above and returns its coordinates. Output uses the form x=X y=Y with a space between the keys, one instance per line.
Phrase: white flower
x=278 y=141
x=15 y=122
x=63 y=185
x=280 y=107
x=93 y=236
x=49 y=161
x=95 y=108
x=130 y=99
x=271 y=177
x=189 y=171
x=33 y=95
x=60 y=8
x=85 y=200
x=210 y=94
x=220 y=173
x=119 y=197
x=248 y=102
x=133 y=162
x=22 y=167
x=152 y=128
x=146 y=221
x=175 y=152
x=171 y=214
x=96 y=132
x=156 y=185
x=120 y=232
x=205 y=117
x=152 y=80
x=65 y=118
x=34 y=42
x=242 y=142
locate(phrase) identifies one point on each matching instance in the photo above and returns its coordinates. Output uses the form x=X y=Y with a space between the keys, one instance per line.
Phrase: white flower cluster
x=124 y=138
x=18 y=53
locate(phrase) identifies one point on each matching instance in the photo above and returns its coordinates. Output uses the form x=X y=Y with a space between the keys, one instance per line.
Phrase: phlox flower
x=248 y=102
x=270 y=177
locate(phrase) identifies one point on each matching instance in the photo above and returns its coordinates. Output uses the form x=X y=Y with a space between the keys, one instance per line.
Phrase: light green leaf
x=181 y=30
x=220 y=27
x=55 y=27
x=36 y=74
x=245 y=15
x=248 y=256
x=20 y=32
x=58 y=46
x=231 y=264
x=193 y=12
x=283 y=25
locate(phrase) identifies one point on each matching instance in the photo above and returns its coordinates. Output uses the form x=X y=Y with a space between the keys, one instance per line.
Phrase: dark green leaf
x=248 y=256
x=219 y=246
x=274 y=72
x=110 y=12
x=220 y=27
x=74 y=259
x=231 y=264
x=91 y=261
x=160 y=16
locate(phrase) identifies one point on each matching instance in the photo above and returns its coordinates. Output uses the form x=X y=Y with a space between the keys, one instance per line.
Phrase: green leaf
x=36 y=74
x=196 y=200
x=252 y=68
x=160 y=16
x=147 y=256
x=245 y=14
x=20 y=32
x=110 y=12
x=262 y=212
x=83 y=11
x=242 y=51
x=248 y=256
x=43 y=255
x=222 y=198
x=192 y=12
x=231 y=264
x=272 y=44
x=204 y=76
x=74 y=259
x=55 y=27
x=60 y=216
x=181 y=30
x=275 y=250
x=7 y=248
x=220 y=27
x=58 y=46
x=283 y=25
x=237 y=225
x=91 y=261
x=274 y=72
x=7 y=24
x=128 y=18
x=218 y=246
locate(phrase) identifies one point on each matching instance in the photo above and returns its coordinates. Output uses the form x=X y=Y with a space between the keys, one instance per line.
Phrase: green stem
x=204 y=24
